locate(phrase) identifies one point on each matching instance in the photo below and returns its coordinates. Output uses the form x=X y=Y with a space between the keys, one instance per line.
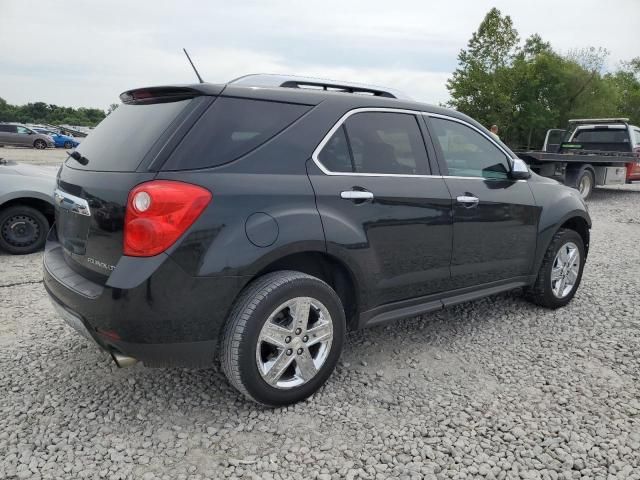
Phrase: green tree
x=527 y=89
x=481 y=85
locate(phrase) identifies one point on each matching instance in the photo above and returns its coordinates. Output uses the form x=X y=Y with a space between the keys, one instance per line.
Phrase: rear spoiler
x=168 y=93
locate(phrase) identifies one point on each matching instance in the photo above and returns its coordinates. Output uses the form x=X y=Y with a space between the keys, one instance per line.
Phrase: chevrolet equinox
x=255 y=223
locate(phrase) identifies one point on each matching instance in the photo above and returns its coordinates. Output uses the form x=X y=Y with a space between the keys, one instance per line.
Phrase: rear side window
x=231 y=128
x=121 y=141
x=376 y=142
x=335 y=155
x=8 y=128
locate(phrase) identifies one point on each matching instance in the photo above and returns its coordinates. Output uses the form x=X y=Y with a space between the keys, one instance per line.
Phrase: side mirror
x=520 y=170
x=30 y=132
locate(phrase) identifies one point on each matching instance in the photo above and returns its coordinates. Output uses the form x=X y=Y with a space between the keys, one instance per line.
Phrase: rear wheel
x=283 y=338
x=22 y=229
x=40 y=144
x=582 y=179
x=561 y=271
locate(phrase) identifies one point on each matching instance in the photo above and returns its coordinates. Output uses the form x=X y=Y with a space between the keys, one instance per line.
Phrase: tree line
x=40 y=112
x=528 y=88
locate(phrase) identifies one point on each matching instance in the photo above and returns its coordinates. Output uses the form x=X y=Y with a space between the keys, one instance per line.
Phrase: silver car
x=18 y=135
x=26 y=206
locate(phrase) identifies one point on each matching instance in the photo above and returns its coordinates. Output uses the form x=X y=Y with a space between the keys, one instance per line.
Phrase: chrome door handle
x=468 y=201
x=356 y=195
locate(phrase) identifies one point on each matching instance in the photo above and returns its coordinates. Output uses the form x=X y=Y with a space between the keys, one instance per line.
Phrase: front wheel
x=561 y=271
x=40 y=144
x=68 y=145
x=283 y=338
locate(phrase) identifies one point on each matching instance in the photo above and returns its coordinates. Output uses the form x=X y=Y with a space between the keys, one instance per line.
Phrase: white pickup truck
x=590 y=152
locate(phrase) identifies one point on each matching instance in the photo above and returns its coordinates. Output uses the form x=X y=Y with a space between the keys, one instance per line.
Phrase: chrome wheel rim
x=564 y=273
x=585 y=185
x=294 y=343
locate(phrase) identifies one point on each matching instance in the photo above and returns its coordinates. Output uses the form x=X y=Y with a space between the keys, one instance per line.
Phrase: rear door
x=8 y=134
x=495 y=218
x=382 y=211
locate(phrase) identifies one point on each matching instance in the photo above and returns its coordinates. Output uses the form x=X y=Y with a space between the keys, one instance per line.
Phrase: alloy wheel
x=294 y=342
x=565 y=270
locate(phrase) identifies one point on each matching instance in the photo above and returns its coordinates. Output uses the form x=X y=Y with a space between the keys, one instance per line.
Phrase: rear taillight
x=158 y=213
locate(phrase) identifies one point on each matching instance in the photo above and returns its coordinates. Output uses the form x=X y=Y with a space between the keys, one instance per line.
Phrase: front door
x=383 y=214
x=495 y=217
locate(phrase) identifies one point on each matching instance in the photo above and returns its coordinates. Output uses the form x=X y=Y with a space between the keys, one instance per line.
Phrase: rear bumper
x=167 y=318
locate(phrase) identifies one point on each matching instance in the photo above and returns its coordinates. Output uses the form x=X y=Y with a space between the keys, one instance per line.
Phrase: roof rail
x=291 y=81
x=599 y=120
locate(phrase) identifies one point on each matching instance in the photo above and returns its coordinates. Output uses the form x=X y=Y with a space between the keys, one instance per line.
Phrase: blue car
x=60 y=140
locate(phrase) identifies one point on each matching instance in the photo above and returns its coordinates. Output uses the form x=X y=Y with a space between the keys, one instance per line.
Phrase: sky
x=85 y=53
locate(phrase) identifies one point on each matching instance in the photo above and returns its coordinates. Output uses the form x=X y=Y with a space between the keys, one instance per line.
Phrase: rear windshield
x=231 y=128
x=120 y=141
x=603 y=135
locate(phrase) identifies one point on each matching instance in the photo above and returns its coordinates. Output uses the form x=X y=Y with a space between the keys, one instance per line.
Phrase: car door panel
x=495 y=239
x=397 y=231
x=495 y=217
x=400 y=241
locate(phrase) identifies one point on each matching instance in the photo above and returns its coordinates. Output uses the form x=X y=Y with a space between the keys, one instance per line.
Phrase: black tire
x=39 y=144
x=582 y=179
x=541 y=292
x=238 y=356
x=68 y=145
x=22 y=229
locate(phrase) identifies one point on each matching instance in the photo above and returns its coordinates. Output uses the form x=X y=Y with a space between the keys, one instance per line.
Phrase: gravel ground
x=496 y=388
x=50 y=156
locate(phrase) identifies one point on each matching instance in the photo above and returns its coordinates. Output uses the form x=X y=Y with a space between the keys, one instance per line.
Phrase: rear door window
x=231 y=128
x=121 y=141
x=8 y=128
x=378 y=143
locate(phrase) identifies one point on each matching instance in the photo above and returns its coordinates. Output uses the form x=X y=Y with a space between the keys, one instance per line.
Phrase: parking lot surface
x=50 y=156
x=496 y=388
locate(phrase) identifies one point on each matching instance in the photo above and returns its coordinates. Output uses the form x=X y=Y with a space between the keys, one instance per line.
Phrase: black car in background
x=258 y=221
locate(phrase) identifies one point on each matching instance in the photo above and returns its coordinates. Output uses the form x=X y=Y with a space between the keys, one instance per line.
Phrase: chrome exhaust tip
x=123 y=361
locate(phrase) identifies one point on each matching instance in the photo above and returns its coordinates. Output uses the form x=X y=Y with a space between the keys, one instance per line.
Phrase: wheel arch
x=327 y=268
x=577 y=220
x=43 y=206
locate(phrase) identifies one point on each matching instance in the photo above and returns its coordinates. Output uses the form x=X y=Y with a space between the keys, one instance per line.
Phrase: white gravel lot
x=496 y=388
x=49 y=156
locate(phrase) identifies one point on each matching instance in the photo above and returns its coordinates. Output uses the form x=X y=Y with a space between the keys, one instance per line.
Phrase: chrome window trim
x=415 y=113
x=340 y=122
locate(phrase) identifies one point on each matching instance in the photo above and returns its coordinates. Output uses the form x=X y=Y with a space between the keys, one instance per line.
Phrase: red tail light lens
x=158 y=213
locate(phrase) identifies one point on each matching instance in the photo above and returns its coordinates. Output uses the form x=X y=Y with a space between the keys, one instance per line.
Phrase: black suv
x=258 y=221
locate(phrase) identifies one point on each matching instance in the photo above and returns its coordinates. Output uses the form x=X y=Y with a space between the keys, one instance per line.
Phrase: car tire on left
x=23 y=229
x=283 y=338
x=40 y=144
